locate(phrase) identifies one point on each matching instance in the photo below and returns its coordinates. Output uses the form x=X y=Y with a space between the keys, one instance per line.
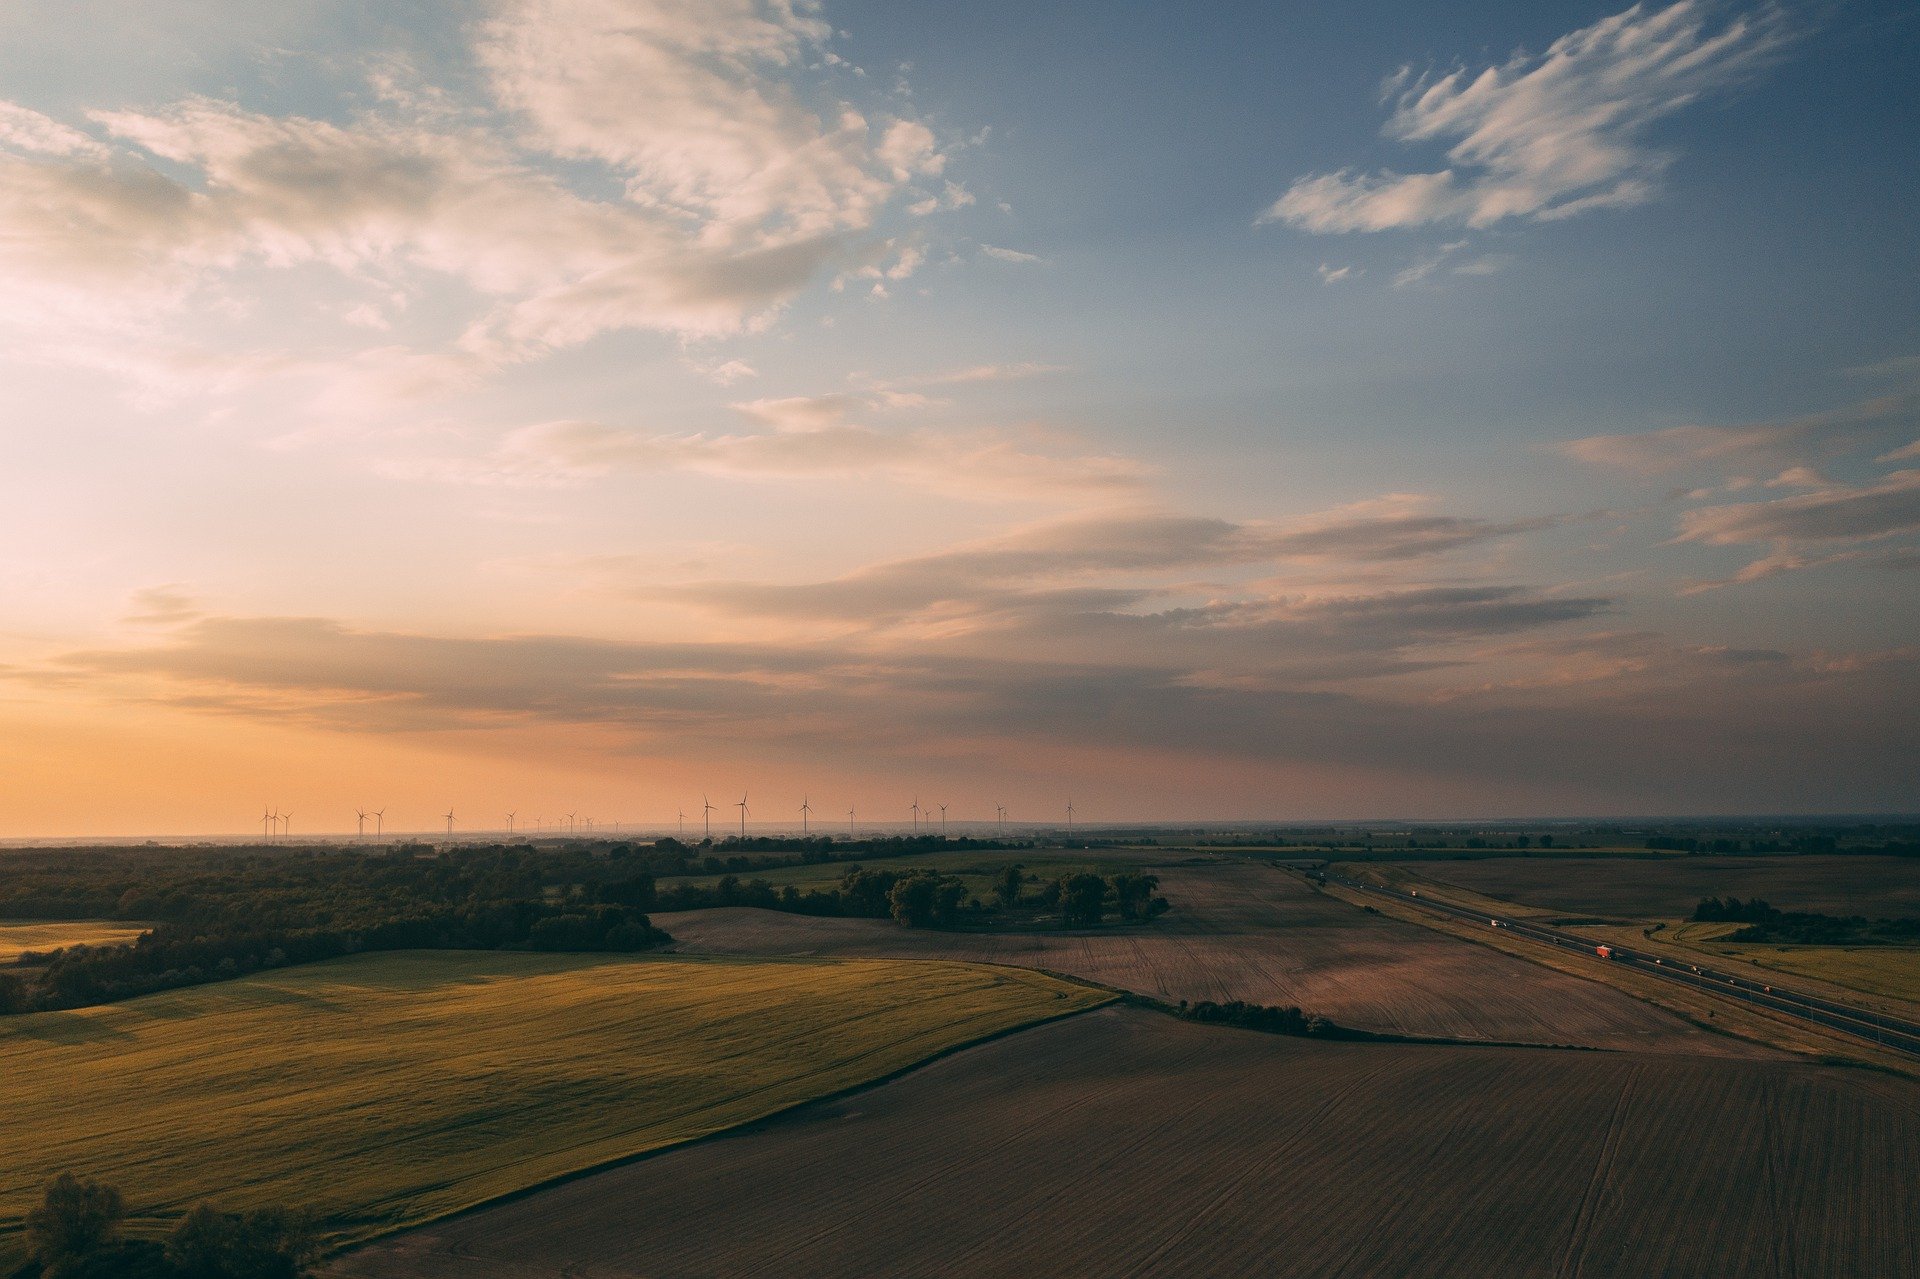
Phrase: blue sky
x=687 y=387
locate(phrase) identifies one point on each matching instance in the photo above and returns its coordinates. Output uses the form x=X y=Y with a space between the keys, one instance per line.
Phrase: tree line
x=1765 y=923
x=219 y=914
x=75 y=1232
x=924 y=898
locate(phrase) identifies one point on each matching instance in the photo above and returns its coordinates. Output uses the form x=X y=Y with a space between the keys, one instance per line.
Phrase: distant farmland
x=20 y=936
x=1123 y=1143
x=1249 y=932
x=1670 y=887
x=387 y=1089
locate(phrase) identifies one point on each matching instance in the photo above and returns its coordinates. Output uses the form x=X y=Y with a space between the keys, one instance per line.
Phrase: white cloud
x=26 y=130
x=695 y=101
x=1009 y=255
x=743 y=174
x=1542 y=137
x=1333 y=275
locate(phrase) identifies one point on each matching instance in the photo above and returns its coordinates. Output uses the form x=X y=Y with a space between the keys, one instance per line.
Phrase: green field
x=1892 y=971
x=386 y=1090
x=19 y=936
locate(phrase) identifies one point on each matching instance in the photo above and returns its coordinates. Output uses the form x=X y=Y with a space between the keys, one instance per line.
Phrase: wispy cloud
x=1110 y=562
x=1755 y=447
x=1506 y=703
x=802 y=437
x=1545 y=136
x=680 y=169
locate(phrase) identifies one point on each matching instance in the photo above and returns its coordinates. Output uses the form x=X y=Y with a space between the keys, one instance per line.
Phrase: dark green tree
x=266 y=1243
x=1083 y=900
x=1006 y=890
x=75 y=1219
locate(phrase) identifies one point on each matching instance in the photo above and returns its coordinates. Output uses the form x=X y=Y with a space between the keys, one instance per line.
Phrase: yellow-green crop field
x=19 y=936
x=386 y=1090
x=1893 y=971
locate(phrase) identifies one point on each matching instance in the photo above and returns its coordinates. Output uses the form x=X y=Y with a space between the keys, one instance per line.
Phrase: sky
x=1249 y=411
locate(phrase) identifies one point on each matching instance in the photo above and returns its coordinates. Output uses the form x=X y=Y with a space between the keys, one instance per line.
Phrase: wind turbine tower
x=706 y=817
x=1000 y=819
x=853 y=832
x=449 y=823
x=1069 y=816
x=916 y=814
x=806 y=807
x=360 y=823
x=943 y=821
x=742 y=806
x=510 y=822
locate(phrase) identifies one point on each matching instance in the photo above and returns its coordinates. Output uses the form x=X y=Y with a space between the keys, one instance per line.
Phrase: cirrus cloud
x=1543 y=137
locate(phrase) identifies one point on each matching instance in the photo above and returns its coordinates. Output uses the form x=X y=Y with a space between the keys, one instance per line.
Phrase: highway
x=1894 y=1033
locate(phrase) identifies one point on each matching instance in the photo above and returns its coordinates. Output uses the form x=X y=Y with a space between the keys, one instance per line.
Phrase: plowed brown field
x=1249 y=932
x=1126 y=1143
x=1642 y=888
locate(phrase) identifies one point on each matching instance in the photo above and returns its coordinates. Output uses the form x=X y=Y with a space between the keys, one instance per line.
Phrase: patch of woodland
x=1765 y=923
x=934 y=899
x=76 y=1233
x=1272 y=1019
x=220 y=914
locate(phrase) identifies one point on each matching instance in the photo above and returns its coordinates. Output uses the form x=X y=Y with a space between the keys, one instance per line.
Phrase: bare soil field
x=1250 y=932
x=1671 y=887
x=1126 y=1143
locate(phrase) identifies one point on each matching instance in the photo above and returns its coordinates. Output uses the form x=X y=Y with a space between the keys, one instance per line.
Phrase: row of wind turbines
x=917 y=811
x=278 y=825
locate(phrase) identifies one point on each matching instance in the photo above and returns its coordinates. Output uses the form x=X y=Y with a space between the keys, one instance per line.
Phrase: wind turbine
x=449 y=823
x=742 y=806
x=379 y=823
x=853 y=832
x=706 y=816
x=916 y=814
x=571 y=824
x=510 y=822
x=1000 y=819
x=683 y=821
x=360 y=823
x=1069 y=816
x=806 y=806
x=943 y=821
x=266 y=820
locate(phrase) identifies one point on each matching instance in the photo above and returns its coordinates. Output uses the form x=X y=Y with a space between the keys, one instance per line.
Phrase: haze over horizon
x=590 y=404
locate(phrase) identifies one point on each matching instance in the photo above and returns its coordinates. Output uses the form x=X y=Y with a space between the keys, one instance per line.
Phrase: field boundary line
x=739 y=1129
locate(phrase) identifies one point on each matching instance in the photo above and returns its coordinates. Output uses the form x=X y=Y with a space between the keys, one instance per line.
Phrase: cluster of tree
x=861 y=894
x=75 y=1233
x=1084 y=899
x=1806 y=928
x=1712 y=910
x=917 y=898
x=732 y=855
x=1273 y=1019
x=218 y=914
